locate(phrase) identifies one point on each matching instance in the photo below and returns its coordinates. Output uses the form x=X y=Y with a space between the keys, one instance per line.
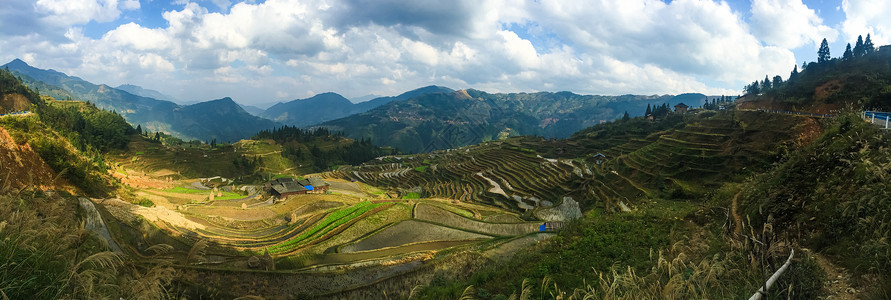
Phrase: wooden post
x=886 y=121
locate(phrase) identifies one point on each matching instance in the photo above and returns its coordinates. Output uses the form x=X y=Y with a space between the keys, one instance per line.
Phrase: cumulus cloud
x=789 y=24
x=68 y=12
x=700 y=38
x=867 y=17
x=285 y=49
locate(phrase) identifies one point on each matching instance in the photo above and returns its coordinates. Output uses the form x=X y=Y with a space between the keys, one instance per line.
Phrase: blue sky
x=278 y=50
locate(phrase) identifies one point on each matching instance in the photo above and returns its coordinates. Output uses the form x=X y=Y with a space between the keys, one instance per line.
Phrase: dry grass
x=47 y=254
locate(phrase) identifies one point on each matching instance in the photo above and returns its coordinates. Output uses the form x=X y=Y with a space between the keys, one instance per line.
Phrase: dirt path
x=838 y=280
x=737 y=221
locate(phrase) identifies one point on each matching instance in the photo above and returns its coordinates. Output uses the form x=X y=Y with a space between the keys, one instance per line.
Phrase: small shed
x=599 y=158
x=681 y=108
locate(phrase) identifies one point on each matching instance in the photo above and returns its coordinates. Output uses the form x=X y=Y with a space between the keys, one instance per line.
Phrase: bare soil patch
x=21 y=167
x=827 y=89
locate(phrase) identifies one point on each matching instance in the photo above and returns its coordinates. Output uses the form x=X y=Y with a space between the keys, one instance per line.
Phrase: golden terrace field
x=221 y=225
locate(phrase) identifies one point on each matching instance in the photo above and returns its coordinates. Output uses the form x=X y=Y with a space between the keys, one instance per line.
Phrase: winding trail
x=838 y=280
x=737 y=220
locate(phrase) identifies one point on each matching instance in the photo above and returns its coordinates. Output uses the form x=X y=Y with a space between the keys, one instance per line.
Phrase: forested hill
x=330 y=106
x=448 y=120
x=202 y=122
x=856 y=81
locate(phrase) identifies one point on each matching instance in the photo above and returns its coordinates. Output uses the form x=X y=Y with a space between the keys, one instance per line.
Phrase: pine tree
x=858 y=48
x=848 y=53
x=777 y=81
x=823 y=54
x=139 y=129
x=794 y=73
x=649 y=111
x=868 y=47
x=765 y=85
x=626 y=117
x=754 y=88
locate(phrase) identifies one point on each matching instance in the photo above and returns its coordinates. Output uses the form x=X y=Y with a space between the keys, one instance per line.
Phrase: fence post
x=886 y=121
x=873 y=118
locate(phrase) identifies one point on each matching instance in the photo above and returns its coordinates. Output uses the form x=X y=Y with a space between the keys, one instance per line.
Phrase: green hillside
x=451 y=120
x=832 y=86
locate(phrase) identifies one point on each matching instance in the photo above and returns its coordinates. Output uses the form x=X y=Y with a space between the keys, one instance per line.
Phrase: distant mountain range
x=149 y=93
x=423 y=119
x=454 y=119
x=220 y=119
x=331 y=106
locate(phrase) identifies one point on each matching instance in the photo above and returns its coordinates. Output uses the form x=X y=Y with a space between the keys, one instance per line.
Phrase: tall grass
x=45 y=253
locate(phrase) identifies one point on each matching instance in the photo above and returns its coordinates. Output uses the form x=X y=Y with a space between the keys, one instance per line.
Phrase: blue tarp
x=542 y=227
x=308 y=187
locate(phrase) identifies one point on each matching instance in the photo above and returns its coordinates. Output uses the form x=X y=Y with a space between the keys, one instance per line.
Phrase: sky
x=278 y=50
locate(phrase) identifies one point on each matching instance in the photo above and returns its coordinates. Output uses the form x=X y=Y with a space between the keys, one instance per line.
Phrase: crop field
x=521 y=178
x=396 y=211
x=440 y=216
x=678 y=161
x=411 y=231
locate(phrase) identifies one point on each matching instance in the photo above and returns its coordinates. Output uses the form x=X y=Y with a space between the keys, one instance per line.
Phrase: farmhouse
x=283 y=187
x=599 y=158
x=681 y=108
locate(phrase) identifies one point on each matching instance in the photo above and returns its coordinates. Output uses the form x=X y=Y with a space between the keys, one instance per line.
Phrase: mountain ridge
x=150 y=93
x=152 y=114
x=439 y=120
x=331 y=106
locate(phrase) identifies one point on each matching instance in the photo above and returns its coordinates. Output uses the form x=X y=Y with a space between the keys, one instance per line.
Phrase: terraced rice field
x=495 y=174
x=411 y=232
x=444 y=217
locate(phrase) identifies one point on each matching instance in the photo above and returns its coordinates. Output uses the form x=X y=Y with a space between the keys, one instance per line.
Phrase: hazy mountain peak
x=140 y=91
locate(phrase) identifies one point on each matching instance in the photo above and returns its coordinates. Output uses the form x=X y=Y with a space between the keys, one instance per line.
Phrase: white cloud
x=699 y=38
x=789 y=24
x=867 y=17
x=68 y=12
x=133 y=36
x=288 y=48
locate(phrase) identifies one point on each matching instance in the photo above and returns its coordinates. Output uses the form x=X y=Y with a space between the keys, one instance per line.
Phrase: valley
x=677 y=203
